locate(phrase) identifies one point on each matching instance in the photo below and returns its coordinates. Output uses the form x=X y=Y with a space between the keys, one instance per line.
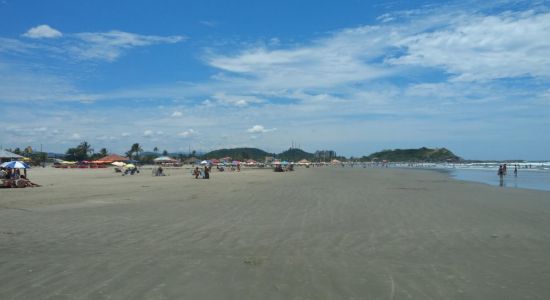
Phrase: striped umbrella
x=15 y=165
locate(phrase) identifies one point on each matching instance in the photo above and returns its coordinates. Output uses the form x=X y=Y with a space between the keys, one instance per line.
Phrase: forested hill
x=294 y=154
x=239 y=154
x=415 y=155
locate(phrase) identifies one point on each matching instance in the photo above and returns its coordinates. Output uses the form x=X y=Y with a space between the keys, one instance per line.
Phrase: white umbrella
x=118 y=164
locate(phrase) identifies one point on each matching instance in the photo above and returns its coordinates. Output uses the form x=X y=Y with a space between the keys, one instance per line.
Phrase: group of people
x=205 y=173
x=502 y=170
x=14 y=178
x=279 y=168
x=6 y=173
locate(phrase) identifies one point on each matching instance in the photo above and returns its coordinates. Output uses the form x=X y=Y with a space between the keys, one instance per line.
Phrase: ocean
x=536 y=179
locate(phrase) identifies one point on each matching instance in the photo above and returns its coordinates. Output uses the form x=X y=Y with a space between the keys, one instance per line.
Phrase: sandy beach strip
x=317 y=233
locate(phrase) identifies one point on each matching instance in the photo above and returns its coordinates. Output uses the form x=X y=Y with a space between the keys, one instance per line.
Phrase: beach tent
x=111 y=158
x=7 y=156
x=251 y=162
x=164 y=159
x=304 y=162
x=335 y=162
x=63 y=162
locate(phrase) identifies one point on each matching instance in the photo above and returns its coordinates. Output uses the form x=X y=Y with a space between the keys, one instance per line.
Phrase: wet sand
x=318 y=233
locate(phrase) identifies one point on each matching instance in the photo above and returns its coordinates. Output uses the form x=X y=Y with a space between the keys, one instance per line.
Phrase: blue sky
x=352 y=76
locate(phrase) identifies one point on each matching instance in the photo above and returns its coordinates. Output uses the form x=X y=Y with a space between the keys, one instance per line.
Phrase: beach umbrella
x=15 y=165
x=129 y=166
x=118 y=164
x=204 y=162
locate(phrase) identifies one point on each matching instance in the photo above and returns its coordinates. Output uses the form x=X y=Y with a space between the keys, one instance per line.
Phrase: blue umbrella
x=15 y=165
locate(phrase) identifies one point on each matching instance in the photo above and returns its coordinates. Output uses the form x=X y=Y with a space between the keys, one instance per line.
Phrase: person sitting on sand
x=24 y=182
x=196 y=172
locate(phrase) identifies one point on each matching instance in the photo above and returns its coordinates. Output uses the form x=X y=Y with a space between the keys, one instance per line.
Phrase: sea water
x=530 y=175
x=526 y=178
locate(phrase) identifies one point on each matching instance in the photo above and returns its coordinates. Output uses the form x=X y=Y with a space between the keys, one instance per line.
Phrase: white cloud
x=484 y=47
x=15 y=46
x=102 y=46
x=75 y=136
x=187 y=133
x=110 y=45
x=259 y=129
x=41 y=129
x=176 y=114
x=236 y=100
x=42 y=31
x=210 y=24
x=341 y=58
x=148 y=133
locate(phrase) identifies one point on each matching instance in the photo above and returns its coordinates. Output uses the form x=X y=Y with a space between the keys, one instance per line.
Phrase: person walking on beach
x=196 y=172
x=206 y=172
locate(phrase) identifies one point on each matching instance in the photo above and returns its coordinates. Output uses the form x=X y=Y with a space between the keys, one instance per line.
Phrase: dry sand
x=318 y=233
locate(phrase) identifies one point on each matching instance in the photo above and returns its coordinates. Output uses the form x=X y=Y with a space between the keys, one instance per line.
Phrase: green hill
x=239 y=154
x=415 y=155
x=295 y=155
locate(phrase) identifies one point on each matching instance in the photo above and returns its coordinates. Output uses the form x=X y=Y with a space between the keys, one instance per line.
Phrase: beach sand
x=317 y=233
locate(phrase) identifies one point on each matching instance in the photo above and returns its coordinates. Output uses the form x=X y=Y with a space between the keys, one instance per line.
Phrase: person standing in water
x=501 y=174
x=516 y=170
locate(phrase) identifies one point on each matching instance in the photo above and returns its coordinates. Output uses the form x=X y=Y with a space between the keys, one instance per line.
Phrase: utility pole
x=43 y=157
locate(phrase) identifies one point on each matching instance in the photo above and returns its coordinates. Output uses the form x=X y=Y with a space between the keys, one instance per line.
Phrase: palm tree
x=103 y=152
x=136 y=148
x=156 y=149
x=84 y=148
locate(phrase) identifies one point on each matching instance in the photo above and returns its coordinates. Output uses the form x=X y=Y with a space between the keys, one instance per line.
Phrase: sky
x=352 y=76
